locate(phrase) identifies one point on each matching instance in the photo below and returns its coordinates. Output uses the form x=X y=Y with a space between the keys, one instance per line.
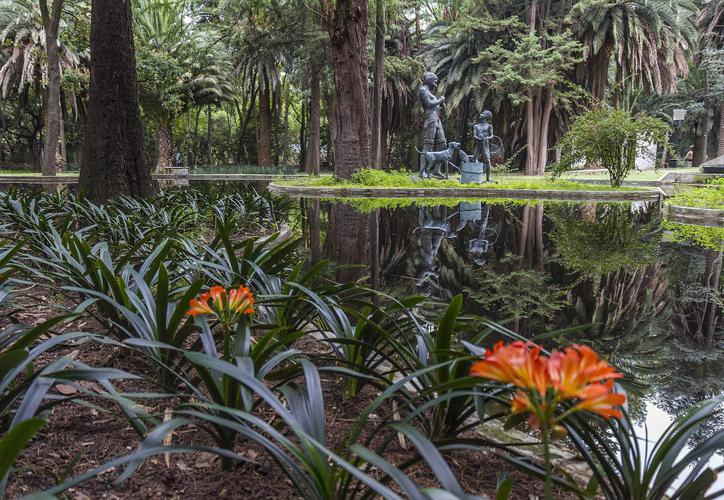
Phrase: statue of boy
x=433 y=132
x=483 y=132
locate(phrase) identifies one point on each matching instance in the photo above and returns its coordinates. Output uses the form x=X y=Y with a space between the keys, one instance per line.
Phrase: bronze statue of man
x=433 y=133
x=483 y=132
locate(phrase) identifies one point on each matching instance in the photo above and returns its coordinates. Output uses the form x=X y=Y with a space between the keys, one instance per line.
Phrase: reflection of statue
x=483 y=132
x=434 y=226
x=433 y=132
x=487 y=236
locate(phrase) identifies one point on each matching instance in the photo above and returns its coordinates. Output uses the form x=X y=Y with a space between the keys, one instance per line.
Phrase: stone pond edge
x=696 y=215
x=544 y=194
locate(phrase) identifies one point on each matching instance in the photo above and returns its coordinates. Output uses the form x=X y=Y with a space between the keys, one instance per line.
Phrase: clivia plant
x=547 y=384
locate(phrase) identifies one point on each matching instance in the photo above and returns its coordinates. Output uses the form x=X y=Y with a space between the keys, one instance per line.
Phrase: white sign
x=679 y=115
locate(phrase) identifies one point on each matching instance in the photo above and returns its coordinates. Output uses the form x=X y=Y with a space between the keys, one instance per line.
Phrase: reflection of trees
x=604 y=238
x=698 y=303
x=609 y=250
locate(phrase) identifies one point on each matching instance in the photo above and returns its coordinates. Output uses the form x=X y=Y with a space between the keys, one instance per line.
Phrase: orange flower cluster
x=543 y=382
x=227 y=306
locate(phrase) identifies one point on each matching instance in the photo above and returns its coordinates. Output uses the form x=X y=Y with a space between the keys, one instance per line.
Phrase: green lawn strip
x=710 y=196
x=366 y=205
x=402 y=179
x=25 y=173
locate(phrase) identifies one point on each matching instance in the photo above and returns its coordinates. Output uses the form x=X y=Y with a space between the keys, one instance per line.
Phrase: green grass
x=403 y=179
x=710 y=196
x=28 y=173
x=644 y=175
x=246 y=169
x=701 y=236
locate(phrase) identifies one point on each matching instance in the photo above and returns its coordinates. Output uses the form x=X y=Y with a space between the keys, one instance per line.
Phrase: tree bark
x=376 y=146
x=711 y=283
x=700 y=141
x=209 y=134
x=264 y=153
x=164 y=137
x=303 y=136
x=113 y=162
x=720 y=149
x=330 y=104
x=311 y=163
x=53 y=121
x=348 y=35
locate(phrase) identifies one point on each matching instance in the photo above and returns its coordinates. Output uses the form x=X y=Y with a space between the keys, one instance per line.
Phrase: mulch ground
x=78 y=438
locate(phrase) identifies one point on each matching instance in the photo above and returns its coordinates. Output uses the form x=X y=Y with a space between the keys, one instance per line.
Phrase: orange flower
x=599 y=398
x=573 y=370
x=544 y=382
x=517 y=363
x=200 y=306
x=241 y=300
x=228 y=307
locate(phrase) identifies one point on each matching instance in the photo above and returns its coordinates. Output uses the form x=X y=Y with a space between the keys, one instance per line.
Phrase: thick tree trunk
x=311 y=163
x=349 y=230
x=53 y=121
x=264 y=125
x=113 y=155
x=330 y=104
x=348 y=34
x=376 y=147
x=164 y=138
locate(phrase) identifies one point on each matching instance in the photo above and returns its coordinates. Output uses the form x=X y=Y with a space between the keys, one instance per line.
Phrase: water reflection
x=653 y=306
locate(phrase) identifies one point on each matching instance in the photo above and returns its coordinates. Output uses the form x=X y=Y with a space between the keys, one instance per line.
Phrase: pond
x=611 y=275
x=644 y=293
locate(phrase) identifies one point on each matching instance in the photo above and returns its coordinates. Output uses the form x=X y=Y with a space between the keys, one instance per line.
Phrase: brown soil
x=78 y=438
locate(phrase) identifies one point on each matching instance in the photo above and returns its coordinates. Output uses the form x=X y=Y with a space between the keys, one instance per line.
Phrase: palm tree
x=177 y=66
x=711 y=28
x=647 y=42
x=23 y=39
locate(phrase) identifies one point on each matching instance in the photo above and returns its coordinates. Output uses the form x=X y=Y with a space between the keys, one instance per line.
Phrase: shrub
x=612 y=139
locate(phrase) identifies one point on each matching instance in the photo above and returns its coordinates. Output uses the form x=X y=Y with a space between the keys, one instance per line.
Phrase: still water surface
x=643 y=294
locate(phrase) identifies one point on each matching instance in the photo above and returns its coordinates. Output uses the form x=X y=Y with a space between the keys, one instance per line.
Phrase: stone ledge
x=700 y=216
x=481 y=192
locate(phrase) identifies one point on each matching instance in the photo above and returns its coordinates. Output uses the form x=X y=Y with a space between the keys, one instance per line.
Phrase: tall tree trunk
x=209 y=134
x=330 y=104
x=264 y=125
x=311 y=163
x=113 y=154
x=53 y=121
x=348 y=35
x=164 y=138
x=376 y=147
x=531 y=152
x=277 y=113
x=197 y=143
x=720 y=149
x=285 y=144
x=700 y=141
x=303 y=136
x=247 y=119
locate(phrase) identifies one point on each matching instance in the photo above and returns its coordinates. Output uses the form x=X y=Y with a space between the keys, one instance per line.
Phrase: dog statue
x=432 y=157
